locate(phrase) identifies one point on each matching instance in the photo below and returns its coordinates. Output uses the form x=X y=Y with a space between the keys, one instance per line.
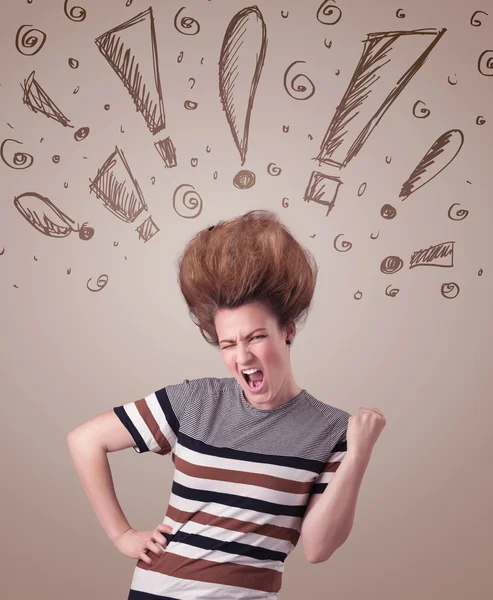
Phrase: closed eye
x=255 y=336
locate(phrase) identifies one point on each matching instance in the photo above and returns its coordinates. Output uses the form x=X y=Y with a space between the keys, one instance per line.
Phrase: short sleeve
x=154 y=421
x=336 y=456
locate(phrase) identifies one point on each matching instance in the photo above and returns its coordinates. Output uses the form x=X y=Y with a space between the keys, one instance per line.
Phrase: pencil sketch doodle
x=37 y=100
x=452 y=82
x=147 y=229
x=316 y=189
x=392 y=292
x=118 y=188
x=101 y=282
x=296 y=90
x=73 y=63
x=186 y=25
x=439 y=255
x=76 y=13
x=460 y=214
x=166 y=151
x=345 y=245
x=441 y=154
x=47 y=218
x=485 y=63
x=241 y=60
x=391 y=264
x=139 y=72
x=20 y=160
x=388 y=211
x=480 y=120
x=424 y=112
x=374 y=237
x=185 y=194
x=477 y=22
x=81 y=134
x=400 y=14
x=31 y=41
x=328 y=13
x=450 y=290
x=273 y=169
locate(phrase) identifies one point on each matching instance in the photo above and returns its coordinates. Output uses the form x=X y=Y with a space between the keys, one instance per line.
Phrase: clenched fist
x=363 y=430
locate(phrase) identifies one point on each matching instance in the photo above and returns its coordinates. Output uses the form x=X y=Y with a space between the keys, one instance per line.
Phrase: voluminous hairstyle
x=251 y=258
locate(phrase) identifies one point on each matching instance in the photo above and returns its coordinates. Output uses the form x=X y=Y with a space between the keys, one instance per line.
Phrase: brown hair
x=251 y=258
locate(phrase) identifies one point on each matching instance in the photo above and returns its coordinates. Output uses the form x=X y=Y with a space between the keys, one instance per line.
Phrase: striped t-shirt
x=242 y=479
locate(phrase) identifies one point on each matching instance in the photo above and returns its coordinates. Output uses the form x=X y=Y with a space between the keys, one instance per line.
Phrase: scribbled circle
x=76 y=13
x=390 y=291
x=106 y=107
x=485 y=63
x=391 y=265
x=328 y=14
x=81 y=134
x=20 y=160
x=388 y=211
x=459 y=214
x=296 y=90
x=362 y=188
x=480 y=120
x=476 y=22
x=400 y=14
x=101 y=282
x=31 y=41
x=190 y=104
x=424 y=111
x=345 y=245
x=187 y=25
x=358 y=295
x=85 y=232
x=244 y=179
x=450 y=290
x=73 y=63
x=186 y=195
x=273 y=169
x=55 y=158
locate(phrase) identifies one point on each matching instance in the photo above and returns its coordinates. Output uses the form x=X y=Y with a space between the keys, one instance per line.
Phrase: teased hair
x=251 y=258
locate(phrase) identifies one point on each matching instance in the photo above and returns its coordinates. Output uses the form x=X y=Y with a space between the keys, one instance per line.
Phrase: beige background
x=423 y=525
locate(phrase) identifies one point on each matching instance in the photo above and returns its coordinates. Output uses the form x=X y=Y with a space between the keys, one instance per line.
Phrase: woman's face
x=249 y=337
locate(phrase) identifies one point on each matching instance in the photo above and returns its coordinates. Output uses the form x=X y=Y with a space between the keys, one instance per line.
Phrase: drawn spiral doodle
x=390 y=291
x=31 y=41
x=345 y=245
x=56 y=158
x=101 y=282
x=459 y=214
x=476 y=22
x=450 y=290
x=328 y=14
x=388 y=211
x=186 y=24
x=76 y=13
x=190 y=104
x=73 y=63
x=298 y=91
x=273 y=169
x=480 y=120
x=81 y=134
x=185 y=194
x=485 y=63
x=400 y=14
x=425 y=112
x=391 y=264
x=20 y=160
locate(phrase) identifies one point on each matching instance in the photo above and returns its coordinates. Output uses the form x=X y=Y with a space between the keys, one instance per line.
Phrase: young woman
x=253 y=452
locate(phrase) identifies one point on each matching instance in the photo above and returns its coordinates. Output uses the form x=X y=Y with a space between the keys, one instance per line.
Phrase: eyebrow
x=251 y=333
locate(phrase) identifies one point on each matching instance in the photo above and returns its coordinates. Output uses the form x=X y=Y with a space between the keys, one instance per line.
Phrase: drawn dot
x=73 y=63
x=56 y=158
x=106 y=107
x=388 y=211
x=244 y=179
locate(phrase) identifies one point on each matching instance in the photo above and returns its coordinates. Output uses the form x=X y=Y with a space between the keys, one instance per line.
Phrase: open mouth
x=254 y=386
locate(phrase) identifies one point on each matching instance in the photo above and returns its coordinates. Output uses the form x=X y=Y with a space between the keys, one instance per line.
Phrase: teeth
x=250 y=371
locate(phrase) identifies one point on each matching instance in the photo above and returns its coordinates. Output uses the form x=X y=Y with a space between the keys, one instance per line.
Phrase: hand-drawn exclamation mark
x=370 y=93
x=240 y=64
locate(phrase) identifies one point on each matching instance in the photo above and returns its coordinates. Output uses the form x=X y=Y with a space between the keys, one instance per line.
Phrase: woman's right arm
x=88 y=445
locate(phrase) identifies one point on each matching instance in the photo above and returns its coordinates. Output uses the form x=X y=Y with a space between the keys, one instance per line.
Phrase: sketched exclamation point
x=240 y=64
